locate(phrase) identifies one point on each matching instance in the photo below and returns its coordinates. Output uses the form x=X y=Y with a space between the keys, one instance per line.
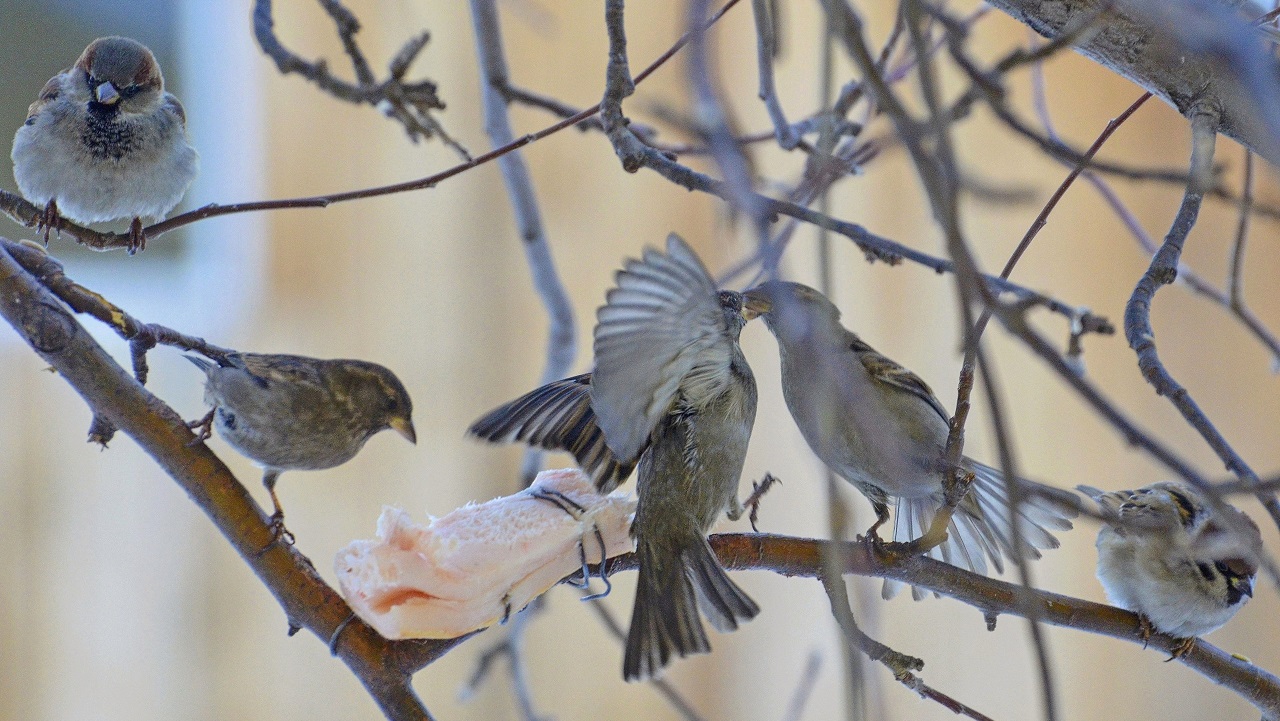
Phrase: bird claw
x=137 y=238
x=1145 y=629
x=205 y=424
x=758 y=489
x=1182 y=648
x=49 y=220
x=279 y=534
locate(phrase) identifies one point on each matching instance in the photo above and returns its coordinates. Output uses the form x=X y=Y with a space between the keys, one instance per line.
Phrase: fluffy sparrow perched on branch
x=671 y=389
x=880 y=427
x=1168 y=556
x=294 y=413
x=104 y=141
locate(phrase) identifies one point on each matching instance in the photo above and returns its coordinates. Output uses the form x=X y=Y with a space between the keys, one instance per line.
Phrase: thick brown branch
x=43 y=321
x=801 y=557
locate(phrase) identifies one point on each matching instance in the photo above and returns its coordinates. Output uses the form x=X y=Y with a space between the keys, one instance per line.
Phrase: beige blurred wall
x=120 y=601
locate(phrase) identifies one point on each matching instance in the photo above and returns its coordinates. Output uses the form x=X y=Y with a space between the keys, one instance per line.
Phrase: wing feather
x=661 y=334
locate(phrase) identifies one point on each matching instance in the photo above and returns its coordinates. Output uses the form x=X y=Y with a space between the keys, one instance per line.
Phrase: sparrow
x=880 y=427
x=1170 y=557
x=290 y=412
x=104 y=141
x=671 y=392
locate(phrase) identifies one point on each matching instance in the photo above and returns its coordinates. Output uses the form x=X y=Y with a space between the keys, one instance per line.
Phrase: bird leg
x=758 y=489
x=137 y=239
x=278 y=532
x=1145 y=629
x=882 y=517
x=205 y=424
x=49 y=220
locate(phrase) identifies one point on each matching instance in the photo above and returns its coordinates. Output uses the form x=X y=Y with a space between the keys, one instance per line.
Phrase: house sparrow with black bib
x=105 y=142
x=292 y=413
x=672 y=391
x=1169 y=556
x=880 y=427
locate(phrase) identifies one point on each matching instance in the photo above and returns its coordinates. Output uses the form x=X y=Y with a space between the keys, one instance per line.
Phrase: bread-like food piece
x=482 y=562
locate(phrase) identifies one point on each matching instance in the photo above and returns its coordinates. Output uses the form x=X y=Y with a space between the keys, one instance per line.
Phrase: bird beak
x=754 y=304
x=1248 y=588
x=404 y=427
x=107 y=94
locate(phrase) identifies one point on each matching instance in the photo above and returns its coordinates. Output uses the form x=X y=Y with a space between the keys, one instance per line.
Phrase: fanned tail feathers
x=981 y=528
x=673 y=586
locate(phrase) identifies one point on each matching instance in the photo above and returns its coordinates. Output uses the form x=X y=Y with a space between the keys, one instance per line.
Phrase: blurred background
x=119 y=600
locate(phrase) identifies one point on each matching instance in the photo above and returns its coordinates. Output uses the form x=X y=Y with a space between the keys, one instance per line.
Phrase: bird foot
x=871 y=537
x=279 y=534
x=137 y=238
x=205 y=425
x=1145 y=629
x=1182 y=648
x=50 y=220
x=758 y=489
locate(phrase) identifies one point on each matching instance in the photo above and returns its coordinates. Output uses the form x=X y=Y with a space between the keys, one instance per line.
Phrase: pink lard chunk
x=465 y=571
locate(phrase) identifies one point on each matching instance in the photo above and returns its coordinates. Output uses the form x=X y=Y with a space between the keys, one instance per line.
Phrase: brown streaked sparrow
x=672 y=389
x=880 y=427
x=292 y=413
x=104 y=141
x=1168 y=556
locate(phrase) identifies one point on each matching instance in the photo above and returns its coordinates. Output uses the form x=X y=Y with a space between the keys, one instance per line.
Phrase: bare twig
x=1162 y=271
x=899 y=664
x=411 y=104
x=766 y=46
x=561 y=341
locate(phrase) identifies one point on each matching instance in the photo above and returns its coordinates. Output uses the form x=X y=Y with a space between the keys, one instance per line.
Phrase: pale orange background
x=119 y=600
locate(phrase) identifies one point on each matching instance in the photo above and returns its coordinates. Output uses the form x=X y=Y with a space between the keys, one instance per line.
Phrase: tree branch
x=41 y=319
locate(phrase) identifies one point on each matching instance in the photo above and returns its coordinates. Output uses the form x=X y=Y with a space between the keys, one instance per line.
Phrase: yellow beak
x=755 y=304
x=404 y=427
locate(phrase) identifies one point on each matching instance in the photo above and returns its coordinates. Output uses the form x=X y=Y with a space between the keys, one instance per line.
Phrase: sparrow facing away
x=104 y=141
x=291 y=413
x=880 y=427
x=1168 y=556
x=673 y=391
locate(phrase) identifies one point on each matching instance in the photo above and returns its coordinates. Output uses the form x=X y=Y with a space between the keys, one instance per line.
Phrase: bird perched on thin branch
x=672 y=391
x=292 y=413
x=880 y=427
x=104 y=141
x=1168 y=555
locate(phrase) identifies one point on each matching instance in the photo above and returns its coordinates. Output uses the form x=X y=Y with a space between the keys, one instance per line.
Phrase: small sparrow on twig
x=104 y=141
x=880 y=427
x=294 y=413
x=1170 y=557
x=672 y=389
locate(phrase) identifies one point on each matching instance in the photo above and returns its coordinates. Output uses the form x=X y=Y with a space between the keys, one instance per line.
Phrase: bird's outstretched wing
x=662 y=333
x=557 y=416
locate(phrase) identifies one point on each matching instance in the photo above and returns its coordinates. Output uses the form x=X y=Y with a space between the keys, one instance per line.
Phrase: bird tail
x=558 y=417
x=673 y=586
x=982 y=527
